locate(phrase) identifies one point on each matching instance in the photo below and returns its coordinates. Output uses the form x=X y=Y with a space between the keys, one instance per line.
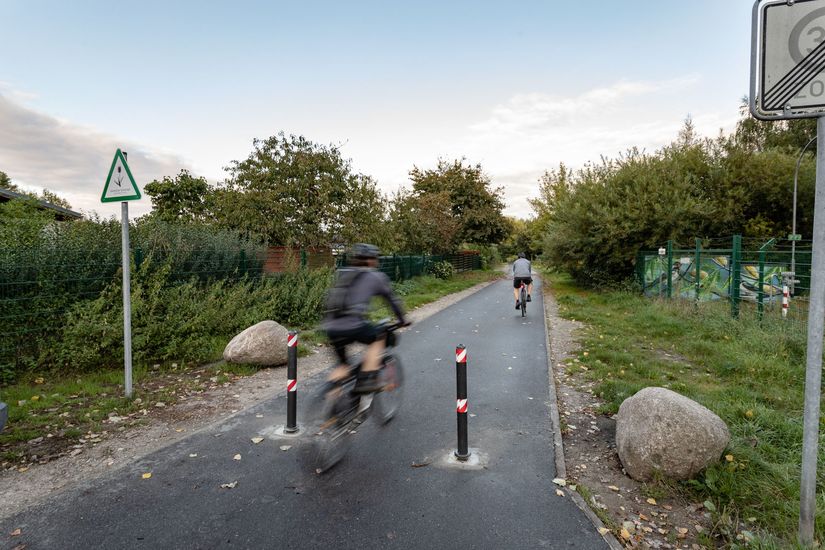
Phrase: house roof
x=62 y=213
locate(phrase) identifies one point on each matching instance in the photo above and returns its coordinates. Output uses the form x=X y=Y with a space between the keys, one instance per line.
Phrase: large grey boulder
x=261 y=344
x=658 y=430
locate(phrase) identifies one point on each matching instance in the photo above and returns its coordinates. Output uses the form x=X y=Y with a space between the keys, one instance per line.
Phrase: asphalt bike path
x=396 y=488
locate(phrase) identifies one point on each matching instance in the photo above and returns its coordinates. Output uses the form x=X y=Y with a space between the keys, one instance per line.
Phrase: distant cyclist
x=346 y=316
x=522 y=272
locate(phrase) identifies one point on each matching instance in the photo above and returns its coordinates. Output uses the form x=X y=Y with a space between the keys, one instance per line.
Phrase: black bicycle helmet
x=364 y=251
x=521 y=255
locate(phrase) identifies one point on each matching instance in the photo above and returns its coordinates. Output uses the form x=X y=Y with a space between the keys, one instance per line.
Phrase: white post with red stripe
x=292 y=382
x=463 y=452
x=786 y=298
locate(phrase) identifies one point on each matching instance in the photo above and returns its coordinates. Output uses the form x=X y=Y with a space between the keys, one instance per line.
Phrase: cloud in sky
x=530 y=133
x=41 y=151
x=516 y=141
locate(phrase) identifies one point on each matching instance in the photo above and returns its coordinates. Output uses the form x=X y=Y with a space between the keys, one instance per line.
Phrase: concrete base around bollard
x=476 y=461
x=279 y=432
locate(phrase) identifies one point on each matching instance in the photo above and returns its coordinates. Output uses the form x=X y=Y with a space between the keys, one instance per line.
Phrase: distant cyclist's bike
x=522 y=294
x=336 y=412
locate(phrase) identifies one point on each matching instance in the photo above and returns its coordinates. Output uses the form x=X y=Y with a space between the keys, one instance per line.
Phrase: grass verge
x=751 y=374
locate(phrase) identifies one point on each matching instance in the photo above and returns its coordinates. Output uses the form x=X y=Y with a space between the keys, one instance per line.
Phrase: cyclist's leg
x=342 y=369
x=516 y=288
x=372 y=357
x=529 y=290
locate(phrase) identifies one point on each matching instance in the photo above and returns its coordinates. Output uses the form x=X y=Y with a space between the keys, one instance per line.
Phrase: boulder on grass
x=261 y=344
x=658 y=430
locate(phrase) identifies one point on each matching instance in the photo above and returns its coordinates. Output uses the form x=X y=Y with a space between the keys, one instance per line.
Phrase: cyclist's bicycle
x=522 y=294
x=336 y=412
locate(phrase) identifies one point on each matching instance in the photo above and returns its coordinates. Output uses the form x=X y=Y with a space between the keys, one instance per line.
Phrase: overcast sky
x=517 y=87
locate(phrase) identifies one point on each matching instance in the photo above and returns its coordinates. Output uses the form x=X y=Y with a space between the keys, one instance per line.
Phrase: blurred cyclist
x=346 y=315
x=522 y=272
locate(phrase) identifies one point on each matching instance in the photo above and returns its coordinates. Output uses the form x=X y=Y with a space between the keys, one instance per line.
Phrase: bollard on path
x=292 y=382
x=462 y=453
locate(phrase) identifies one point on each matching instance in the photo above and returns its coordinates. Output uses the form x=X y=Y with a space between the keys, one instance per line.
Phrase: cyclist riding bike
x=346 y=319
x=522 y=273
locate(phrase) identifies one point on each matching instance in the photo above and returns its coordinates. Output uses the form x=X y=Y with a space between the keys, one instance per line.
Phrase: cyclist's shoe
x=518 y=304
x=368 y=382
x=529 y=299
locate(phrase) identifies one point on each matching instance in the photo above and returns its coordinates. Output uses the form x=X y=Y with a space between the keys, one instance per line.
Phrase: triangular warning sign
x=120 y=185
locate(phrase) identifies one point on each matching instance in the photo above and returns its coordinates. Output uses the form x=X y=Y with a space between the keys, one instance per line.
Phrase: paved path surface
x=375 y=498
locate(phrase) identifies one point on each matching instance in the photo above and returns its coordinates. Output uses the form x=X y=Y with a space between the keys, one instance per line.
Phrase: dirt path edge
x=551 y=312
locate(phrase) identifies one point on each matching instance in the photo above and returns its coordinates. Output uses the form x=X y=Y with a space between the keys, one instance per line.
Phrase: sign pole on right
x=787 y=82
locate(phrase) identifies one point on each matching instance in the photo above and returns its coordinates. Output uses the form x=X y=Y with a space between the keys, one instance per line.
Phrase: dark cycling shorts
x=340 y=339
x=517 y=281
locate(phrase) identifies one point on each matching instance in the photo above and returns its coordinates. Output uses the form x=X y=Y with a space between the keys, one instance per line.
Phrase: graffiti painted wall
x=714 y=279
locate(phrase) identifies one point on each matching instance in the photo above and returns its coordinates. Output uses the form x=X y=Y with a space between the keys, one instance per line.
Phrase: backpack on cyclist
x=336 y=304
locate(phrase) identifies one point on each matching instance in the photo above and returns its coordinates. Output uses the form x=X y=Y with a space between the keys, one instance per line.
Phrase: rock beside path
x=261 y=344
x=659 y=430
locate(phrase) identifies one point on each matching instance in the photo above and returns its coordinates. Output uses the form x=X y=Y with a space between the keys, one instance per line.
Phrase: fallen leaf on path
x=257 y=440
x=625 y=534
x=17 y=532
x=237 y=457
x=193 y=455
x=559 y=481
x=560 y=492
x=229 y=485
x=38 y=380
x=613 y=488
x=285 y=447
x=729 y=458
x=147 y=475
x=651 y=501
x=603 y=530
x=259 y=416
x=421 y=464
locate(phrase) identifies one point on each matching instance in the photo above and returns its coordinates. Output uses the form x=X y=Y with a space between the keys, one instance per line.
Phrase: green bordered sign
x=794 y=237
x=120 y=185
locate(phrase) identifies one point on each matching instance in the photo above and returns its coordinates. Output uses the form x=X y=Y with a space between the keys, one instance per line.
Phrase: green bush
x=185 y=322
x=442 y=270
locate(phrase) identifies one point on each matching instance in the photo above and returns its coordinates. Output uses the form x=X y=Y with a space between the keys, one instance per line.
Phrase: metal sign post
x=787 y=81
x=813 y=371
x=121 y=187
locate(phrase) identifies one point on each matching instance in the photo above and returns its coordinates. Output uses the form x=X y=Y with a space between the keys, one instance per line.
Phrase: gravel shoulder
x=165 y=426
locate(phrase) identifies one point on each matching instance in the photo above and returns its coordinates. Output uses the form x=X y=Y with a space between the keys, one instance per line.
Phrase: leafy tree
x=55 y=199
x=5 y=183
x=424 y=222
x=182 y=198
x=473 y=202
x=292 y=191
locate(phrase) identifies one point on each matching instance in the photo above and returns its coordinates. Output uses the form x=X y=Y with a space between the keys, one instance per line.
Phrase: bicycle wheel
x=328 y=429
x=387 y=402
x=523 y=296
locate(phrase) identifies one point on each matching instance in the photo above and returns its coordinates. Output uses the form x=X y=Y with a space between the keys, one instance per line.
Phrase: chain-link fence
x=757 y=277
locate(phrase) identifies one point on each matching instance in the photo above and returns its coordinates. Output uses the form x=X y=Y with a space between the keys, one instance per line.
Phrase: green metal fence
x=754 y=276
x=402 y=267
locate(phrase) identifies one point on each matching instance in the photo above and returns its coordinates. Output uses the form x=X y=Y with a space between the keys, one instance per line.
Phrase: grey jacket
x=522 y=268
x=370 y=283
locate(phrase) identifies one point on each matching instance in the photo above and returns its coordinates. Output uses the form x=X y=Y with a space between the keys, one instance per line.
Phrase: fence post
x=462 y=452
x=697 y=260
x=669 y=270
x=735 y=275
x=763 y=250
